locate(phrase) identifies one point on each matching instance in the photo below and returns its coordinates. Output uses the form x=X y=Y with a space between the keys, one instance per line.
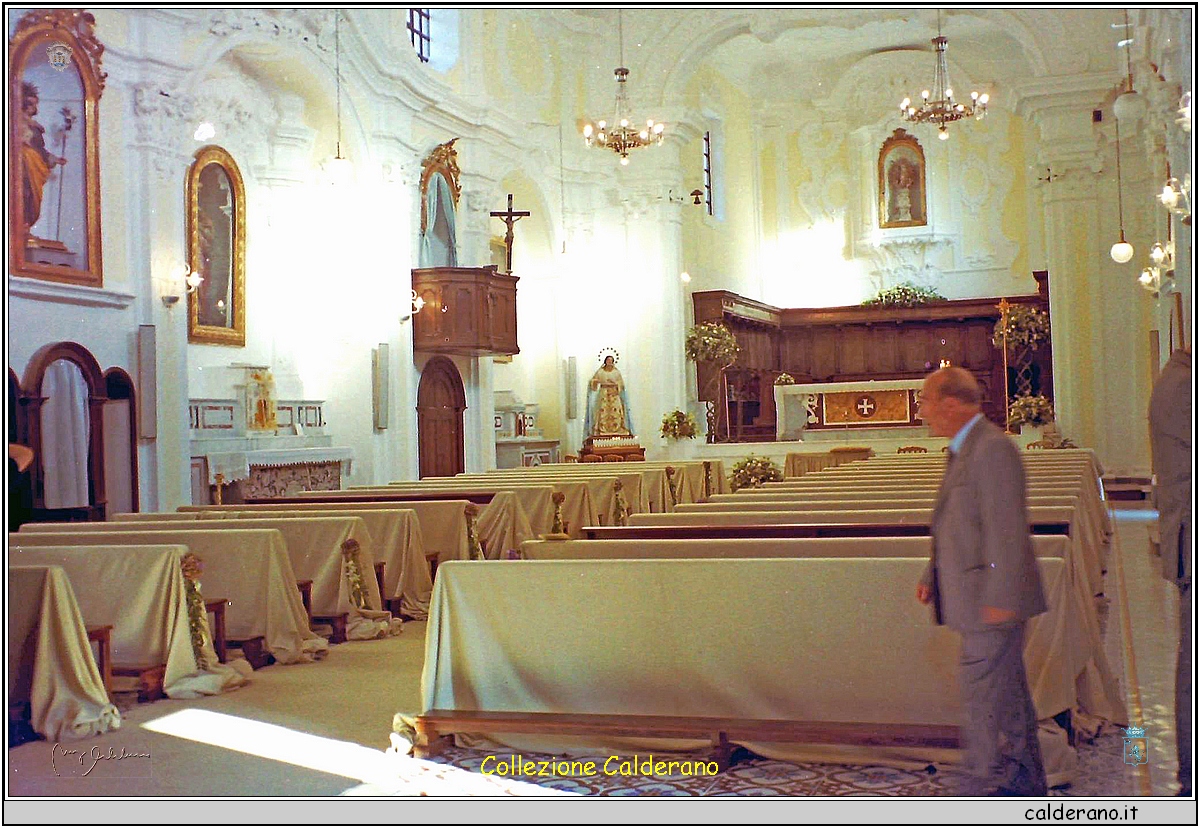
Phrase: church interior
x=627 y=422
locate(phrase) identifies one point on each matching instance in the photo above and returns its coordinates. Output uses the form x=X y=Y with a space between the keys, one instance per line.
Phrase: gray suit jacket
x=1171 y=446
x=981 y=546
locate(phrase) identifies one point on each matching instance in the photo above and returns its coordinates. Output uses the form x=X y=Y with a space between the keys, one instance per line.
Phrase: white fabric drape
x=438 y=250
x=66 y=428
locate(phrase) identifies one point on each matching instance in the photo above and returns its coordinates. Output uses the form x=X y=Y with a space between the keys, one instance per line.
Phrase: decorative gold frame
x=901 y=140
x=212 y=334
x=37 y=30
x=443 y=159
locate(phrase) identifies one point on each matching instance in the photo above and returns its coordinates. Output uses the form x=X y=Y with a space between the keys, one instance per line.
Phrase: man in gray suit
x=984 y=583
x=1171 y=448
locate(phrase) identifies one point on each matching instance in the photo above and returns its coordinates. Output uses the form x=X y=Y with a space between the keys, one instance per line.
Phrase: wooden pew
x=315 y=546
x=722 y=733
x=787 y=530
x=663 y=667
x=55 y=689
x=138 y=592
x=265 y=614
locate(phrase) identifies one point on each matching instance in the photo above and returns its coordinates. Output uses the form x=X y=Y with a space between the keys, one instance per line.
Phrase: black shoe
x=1013 y=792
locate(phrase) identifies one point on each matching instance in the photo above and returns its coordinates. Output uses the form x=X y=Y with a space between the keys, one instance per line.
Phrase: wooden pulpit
x=471 y=311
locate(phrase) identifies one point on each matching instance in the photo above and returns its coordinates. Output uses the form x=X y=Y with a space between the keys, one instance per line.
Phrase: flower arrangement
x=752 y=472
x=671 y=485
x=1025 y=326
x=621 y=507
x=904 y=295
x=785 y=379
x=1035 y=410
x=354 y=576
x=711 y=342
x=679 y=425
x=193 y=568
x=558 y=527
x=474 y=549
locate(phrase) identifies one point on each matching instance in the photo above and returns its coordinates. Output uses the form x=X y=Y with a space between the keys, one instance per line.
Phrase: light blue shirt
x=958 y=439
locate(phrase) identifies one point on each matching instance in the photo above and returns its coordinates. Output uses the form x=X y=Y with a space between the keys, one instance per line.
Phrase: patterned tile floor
x=1152 y=619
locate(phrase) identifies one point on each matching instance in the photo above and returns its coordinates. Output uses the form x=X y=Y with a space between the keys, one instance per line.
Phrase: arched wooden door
x=440 y=405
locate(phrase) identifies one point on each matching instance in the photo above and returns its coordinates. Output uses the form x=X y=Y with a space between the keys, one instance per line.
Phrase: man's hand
x=924 y=593
x=995 y=615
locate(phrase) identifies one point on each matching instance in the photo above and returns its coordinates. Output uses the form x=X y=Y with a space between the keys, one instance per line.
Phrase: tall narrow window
x=708 y=169
x=418 y=32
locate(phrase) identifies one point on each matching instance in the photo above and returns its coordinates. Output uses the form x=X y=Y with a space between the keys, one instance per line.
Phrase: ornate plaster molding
x=895 y=256
x=81 y=24
x=68 y=294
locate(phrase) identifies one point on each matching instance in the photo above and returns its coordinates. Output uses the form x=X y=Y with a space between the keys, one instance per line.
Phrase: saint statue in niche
x=607 y=404
x=901 y=182
x=53 y=101
x=215 y=225
x=902 y=176
x=261 y=408
x=38 y=162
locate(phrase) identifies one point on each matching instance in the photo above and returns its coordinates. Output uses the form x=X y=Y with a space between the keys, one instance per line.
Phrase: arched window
x=434 y=37
x=712 y=168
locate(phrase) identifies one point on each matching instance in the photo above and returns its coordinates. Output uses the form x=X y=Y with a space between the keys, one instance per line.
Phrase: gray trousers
x=1183 y=688
x=1000 y=745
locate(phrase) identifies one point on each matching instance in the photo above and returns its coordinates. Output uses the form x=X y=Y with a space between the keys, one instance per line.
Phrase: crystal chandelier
x=622 y=136
x=942 y=110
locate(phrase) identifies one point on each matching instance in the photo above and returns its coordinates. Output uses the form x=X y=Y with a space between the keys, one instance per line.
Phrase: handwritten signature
x=90 y=757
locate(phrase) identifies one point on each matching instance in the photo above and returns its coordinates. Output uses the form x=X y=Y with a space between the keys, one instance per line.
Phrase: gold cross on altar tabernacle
x=509 y=218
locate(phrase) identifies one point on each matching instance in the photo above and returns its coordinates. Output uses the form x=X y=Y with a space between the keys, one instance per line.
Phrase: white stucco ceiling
x=781 y=53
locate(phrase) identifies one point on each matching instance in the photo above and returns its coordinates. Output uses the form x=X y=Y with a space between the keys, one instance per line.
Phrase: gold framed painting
x=55 y=83
x=216 y=245
x=901 y=176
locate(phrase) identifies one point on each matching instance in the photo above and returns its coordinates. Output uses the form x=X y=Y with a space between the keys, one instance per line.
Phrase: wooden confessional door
x=441 y=401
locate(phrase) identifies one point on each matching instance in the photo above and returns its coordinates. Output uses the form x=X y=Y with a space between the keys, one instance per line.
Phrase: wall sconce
x=191 y=284
x=416 y=303
x=1174 y=197
x=1153 y=282
x=697 y=196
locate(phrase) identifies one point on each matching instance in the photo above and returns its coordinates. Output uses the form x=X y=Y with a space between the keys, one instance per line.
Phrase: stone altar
x=846 y=406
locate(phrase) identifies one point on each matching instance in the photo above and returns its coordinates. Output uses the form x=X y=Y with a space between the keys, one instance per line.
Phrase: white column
x=157 y=159
x=1074 y=244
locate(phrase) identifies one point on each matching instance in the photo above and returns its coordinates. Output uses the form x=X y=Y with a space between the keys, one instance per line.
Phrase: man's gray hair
x=958 y=383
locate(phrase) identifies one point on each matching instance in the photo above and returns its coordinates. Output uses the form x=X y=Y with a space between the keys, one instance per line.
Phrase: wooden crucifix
x=510 y=218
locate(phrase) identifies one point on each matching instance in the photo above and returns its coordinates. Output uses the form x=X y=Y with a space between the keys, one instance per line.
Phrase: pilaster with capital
x=1070 y=150
x=480 y=196
x=157 y=158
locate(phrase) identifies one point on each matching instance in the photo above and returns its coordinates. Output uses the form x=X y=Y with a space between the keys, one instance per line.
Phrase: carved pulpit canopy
x=442 y=160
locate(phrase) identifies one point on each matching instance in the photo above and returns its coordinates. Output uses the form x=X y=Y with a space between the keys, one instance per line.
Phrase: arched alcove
x=120 y=442
x=71 y=428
